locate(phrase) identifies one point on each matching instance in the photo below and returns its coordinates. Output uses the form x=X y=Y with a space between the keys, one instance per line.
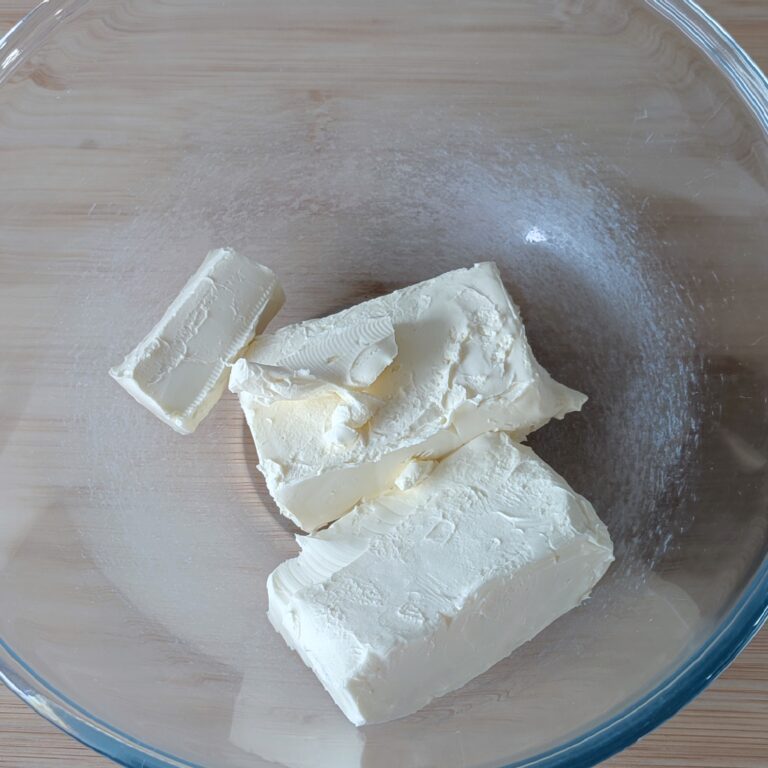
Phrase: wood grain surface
x=726 y=727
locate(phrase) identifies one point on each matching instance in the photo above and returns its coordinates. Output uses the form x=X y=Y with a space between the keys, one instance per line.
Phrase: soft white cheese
x=415 y=593
x=415 y=471
x=267 y=384
x=338 y=407
x=329 y=363
x=179 y=370
x=329 y=360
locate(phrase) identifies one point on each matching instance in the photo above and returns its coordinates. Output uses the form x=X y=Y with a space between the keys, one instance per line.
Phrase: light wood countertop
x=726 y=727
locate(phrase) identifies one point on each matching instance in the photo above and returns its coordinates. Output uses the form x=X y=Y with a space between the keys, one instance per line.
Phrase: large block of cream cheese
x=180 y=369
x=415 y=593
x=338 y=406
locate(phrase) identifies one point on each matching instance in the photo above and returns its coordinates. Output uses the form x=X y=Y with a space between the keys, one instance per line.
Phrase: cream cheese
x=180 y=369
x=415 y=593
x=413 y=473
x=457 y=364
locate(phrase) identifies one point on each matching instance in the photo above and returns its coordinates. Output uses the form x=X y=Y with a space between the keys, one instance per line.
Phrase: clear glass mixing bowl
x=610 y=155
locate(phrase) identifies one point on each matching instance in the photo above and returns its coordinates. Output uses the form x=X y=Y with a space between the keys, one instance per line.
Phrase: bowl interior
x=589 y=148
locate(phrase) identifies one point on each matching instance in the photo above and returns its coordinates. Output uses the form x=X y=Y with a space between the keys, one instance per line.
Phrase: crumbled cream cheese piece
x=415 y=471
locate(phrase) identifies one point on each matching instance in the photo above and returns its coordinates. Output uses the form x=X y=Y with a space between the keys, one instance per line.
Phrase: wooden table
x=726 y=727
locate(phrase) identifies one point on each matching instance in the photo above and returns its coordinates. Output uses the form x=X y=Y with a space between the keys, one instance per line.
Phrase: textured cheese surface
x=413 y=594
x=338 y=406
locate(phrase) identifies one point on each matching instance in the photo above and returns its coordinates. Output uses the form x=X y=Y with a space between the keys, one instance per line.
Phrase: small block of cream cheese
x=180 y=369
x=415 y=593
x=439 y=362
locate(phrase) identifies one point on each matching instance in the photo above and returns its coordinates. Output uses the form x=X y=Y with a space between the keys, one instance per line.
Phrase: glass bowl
x=610 y=155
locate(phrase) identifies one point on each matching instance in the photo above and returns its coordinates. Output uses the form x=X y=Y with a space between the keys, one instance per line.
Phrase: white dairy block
x=338 y=406
x=180 y=369
x=413 y=594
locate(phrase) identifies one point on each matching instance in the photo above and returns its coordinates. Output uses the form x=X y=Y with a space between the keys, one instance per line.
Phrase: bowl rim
x=600 y=742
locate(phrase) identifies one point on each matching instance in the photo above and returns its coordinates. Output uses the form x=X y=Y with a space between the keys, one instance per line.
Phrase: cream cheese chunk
x=415 y=471
x=180 y=369
x=338 y=406
x=415 y=593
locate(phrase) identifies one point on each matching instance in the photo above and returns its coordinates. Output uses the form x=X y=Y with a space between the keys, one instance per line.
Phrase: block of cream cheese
x=180 y=369
x=413 y=594
x=339 y=406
